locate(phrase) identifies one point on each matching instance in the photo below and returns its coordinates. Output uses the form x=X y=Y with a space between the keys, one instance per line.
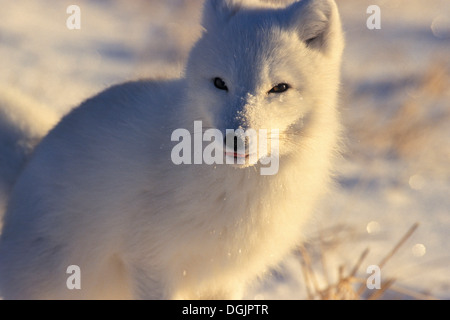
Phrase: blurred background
x=395 y=103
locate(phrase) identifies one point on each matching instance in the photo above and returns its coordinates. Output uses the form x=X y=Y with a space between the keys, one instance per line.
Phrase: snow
x=395 y=105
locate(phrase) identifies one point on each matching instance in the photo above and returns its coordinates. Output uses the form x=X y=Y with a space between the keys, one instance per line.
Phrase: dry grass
x=415 y=124
x=349 y=284
x=409 y=129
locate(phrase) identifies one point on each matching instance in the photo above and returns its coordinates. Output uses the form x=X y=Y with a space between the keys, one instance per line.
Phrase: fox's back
x=84 y=176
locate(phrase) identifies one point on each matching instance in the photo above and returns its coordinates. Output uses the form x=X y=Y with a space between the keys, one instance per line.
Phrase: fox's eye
x=220 y=84
x=282 y=87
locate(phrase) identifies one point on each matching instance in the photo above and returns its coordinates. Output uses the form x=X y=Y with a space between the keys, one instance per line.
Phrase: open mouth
x=236 y=155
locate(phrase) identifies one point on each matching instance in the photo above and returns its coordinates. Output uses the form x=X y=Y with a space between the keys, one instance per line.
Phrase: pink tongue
x=237 y=155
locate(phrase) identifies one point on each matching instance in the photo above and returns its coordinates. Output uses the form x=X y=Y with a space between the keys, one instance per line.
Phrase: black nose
x=235 y=143
x=232 y=142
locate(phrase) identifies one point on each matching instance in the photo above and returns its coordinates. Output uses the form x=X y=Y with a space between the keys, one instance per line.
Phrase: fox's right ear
x=216 y=13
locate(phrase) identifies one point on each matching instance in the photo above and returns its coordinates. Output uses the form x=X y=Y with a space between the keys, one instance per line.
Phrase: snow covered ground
x=395 y=104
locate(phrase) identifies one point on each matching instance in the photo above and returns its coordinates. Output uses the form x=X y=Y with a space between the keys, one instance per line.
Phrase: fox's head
x=266 y=68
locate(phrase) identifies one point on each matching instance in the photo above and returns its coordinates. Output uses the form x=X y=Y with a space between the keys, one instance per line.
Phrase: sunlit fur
x=101 y=191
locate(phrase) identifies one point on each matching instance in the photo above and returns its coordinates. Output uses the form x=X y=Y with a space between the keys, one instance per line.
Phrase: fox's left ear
x=216 y=13
x=317 y=23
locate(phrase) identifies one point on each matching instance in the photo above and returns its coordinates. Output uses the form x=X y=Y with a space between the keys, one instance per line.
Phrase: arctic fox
x=101 y=191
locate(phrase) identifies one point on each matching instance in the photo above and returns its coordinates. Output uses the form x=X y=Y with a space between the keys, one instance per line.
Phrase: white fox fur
x=101 y=191
x=23 y=123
